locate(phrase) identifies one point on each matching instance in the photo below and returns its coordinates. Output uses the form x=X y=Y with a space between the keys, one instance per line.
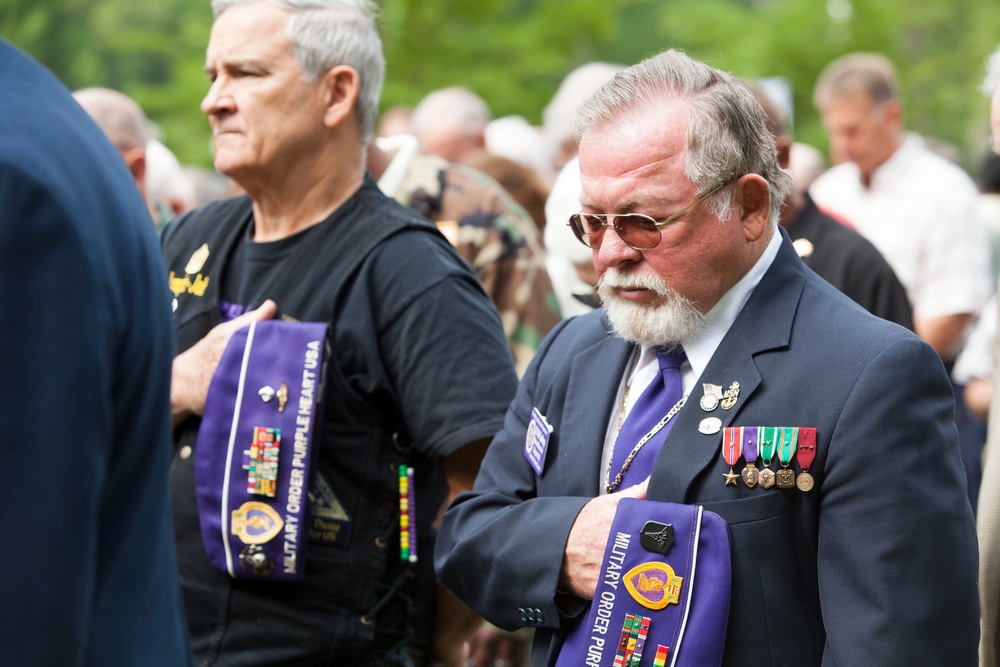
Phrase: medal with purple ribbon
x=749 y=438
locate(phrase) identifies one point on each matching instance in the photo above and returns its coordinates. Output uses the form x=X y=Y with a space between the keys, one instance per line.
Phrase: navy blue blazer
x=86 y=345
x=874 y=566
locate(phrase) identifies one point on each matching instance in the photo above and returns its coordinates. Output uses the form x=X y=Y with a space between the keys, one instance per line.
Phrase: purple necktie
x=660 y=396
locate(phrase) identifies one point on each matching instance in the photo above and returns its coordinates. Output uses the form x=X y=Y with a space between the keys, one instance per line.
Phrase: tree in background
x=514 y=53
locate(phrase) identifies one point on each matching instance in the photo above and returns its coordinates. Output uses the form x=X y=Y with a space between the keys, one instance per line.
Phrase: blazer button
x=539 y=617
x=524 y=616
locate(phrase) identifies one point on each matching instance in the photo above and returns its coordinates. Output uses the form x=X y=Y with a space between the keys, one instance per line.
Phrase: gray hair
x=992 y=80
x=871 y=74
x=117 y=114
x=327 y=33
x=559 y=115
x=727 y=135
x=456 y=108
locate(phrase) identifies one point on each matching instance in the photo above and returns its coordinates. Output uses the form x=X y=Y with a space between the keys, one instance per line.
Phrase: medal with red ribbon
x=732 y=449
x=805 y=455
x=787 y=439
x=748 y=436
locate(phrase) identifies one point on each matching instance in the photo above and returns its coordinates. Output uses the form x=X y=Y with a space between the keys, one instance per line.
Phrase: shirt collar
x=721 y=317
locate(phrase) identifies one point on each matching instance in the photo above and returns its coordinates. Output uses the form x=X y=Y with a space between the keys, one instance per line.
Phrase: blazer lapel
x=764 y=324
x=594 y=378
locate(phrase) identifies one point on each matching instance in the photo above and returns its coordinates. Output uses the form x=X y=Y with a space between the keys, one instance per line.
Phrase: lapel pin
x=198 y=259
x=657 y=537
x=282 y=396
x=731 y=396
x=710 y=400
x=710 y=425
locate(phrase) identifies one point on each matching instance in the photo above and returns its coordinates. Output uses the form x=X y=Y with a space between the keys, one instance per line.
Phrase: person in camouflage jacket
x=487 y=227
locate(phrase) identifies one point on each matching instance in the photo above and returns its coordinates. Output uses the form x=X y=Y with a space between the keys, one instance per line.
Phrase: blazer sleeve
x=500 y=547
x=897 y=549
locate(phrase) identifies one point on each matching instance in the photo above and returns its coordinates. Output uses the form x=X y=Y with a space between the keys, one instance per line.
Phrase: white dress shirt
x=920 y=212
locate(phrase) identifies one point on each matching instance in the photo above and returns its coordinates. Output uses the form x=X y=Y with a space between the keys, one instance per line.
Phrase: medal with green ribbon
x=766 y=438
x=786 y=451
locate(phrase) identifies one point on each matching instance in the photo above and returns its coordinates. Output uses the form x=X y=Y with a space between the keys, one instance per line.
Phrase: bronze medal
x=786 y=478
x=750 y=436
x=767 y=436
x=804 y=481
x=787 y=441
x=806 y=455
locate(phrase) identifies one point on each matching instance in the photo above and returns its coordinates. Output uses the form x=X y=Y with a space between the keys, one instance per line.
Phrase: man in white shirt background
x=916 y=207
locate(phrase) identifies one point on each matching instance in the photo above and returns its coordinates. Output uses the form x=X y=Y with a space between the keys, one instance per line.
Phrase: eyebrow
x=632 y=203
x=244 y=63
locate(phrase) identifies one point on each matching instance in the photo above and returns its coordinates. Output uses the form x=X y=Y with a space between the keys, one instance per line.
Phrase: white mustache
x=614 y=279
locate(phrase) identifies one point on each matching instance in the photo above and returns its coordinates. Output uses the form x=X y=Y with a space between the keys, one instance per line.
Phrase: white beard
x=668 y=324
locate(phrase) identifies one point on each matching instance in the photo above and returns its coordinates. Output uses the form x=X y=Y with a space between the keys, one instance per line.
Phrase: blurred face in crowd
x=264 y=116
x=450 y=144
x=862 y=132
x=657 y=296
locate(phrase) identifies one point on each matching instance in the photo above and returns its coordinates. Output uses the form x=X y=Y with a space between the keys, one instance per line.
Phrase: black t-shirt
x=254 y=268
x=419 y=368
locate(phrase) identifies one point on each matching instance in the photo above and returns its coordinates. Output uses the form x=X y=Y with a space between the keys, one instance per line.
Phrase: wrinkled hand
x=492 y=648
x=581 y=566
x=193 y=368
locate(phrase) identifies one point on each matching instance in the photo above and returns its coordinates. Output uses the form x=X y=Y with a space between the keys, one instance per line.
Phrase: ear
x=177 y=206
x=135 y=160
x=479 y=139
x=784 y=144
x=893 y=113
x=341 y=86
x=753 y=201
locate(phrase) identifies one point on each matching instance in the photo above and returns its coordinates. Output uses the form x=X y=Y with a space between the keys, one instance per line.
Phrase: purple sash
x=254 y=460
x=663 y=594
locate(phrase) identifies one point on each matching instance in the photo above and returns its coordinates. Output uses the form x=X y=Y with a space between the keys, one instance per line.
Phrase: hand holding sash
x=581 y=564
x=193 y=369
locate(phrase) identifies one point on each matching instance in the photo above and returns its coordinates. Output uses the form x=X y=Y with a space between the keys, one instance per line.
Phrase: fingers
x=637 y=491
x=265 y=311
x=581 y=560
x=193 y=368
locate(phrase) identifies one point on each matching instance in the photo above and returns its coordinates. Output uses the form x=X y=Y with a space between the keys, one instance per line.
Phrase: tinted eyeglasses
x=635 y=229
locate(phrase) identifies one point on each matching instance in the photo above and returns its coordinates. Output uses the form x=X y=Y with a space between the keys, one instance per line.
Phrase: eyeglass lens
x=635 y=229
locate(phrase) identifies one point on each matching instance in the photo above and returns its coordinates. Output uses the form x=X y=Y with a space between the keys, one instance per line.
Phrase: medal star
x=731 y=477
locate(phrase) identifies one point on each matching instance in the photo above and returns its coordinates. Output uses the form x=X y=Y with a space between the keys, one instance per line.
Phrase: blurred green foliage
x=514 y=53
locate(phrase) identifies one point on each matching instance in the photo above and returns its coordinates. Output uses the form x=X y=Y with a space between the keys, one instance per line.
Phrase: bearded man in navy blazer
x=872 y=564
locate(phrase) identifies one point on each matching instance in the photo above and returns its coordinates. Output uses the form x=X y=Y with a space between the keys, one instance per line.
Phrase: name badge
x=536 y=443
